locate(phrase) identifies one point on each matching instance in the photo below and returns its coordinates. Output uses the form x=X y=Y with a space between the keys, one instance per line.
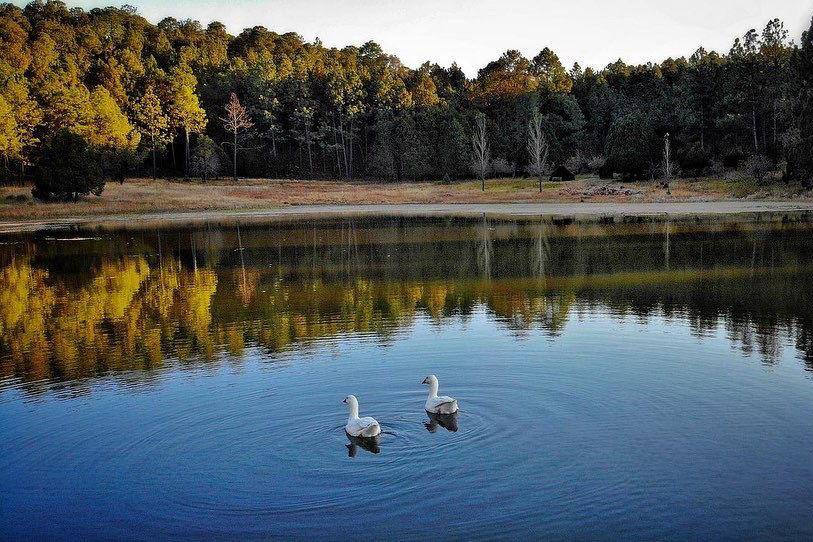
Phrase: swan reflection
x=446 y=421
x=368 y=444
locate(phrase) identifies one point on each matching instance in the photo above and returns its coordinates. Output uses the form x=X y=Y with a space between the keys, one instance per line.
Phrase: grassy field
x=148 y=196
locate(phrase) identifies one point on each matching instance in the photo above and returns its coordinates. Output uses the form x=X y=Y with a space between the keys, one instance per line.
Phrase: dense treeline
x=109 y=94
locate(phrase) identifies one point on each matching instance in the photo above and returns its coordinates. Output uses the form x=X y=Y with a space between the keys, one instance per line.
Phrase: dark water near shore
x=646 y=382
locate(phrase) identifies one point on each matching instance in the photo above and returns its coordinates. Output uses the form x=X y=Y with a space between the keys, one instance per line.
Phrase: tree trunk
x=703 y=130
x=235 y=155
x=308 y=142
x=186 y=155
x=344 y=147
x=754 y=126
x=350 y=167
x=336 y=146
x=153 y=157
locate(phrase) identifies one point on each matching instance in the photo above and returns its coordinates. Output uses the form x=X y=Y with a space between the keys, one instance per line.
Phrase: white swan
x=359 y=427
x=435 y=404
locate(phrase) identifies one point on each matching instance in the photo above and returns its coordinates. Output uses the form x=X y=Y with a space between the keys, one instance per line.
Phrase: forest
x=100 y=95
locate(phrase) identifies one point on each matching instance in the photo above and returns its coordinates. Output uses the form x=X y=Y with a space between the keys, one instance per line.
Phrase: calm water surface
x=648 y=381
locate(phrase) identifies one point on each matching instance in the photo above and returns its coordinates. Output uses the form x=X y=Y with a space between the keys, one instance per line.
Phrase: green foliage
x=449 y=144
x=69 y=168
x=694 y=159
x=399 y=152
x=631 y=145
x=207 y=159
x=800 y=149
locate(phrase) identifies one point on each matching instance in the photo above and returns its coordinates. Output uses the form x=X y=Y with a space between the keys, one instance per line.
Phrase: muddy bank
x=739 y=211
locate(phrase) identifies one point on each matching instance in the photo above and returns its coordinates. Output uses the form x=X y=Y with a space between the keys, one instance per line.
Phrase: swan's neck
x=433 y=389
x=354 y=411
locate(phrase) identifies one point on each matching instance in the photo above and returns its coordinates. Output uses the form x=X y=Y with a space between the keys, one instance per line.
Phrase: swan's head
x=351 y=402
x=430 y=380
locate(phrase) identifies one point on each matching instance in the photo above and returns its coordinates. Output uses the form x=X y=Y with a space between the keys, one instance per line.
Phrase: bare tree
x=480 y=149
x=667 y=163
x=541 y=251
x=236 y=119
x=538 y=147
x=485 y=249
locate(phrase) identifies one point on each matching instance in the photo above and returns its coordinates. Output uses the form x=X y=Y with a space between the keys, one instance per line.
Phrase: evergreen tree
x=69 y=168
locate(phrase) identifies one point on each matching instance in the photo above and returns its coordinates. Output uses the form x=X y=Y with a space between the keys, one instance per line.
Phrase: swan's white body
x=360 y=427
x=438 y=404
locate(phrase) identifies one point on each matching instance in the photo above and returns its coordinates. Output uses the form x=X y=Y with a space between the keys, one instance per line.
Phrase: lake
x=645 y=381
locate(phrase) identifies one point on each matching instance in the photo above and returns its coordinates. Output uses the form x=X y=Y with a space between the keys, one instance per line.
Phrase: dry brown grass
x=148 y=196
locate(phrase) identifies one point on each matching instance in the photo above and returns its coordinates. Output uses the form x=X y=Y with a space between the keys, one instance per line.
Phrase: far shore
x=144 y=202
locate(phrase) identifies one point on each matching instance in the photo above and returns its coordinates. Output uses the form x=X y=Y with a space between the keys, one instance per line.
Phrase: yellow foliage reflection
x=129 y=314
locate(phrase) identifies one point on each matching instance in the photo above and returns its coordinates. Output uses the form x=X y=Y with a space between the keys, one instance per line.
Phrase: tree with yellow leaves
x=110 y=127
x=152 y=121
x=10 y=144
x=185 y=112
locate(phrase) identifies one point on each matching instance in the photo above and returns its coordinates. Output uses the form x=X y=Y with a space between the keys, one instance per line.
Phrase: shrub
x=71 y=168
x=535 y=171
x=595 y=164
x=118 y=164
x=694 y=159
x=800 y=162
x=758 y=167
x=577 y=163
x=206 y=160
x=501 y=167
x=732 y=158
x=605 y=171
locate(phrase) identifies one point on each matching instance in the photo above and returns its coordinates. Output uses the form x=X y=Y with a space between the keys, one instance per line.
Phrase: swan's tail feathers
x=372 y=430
x=449 y=407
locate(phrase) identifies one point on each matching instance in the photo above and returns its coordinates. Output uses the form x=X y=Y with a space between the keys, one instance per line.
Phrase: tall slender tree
x=538 y=147
x=236 y=119
x=186 y=114
x=481 y=154
x=152 y=121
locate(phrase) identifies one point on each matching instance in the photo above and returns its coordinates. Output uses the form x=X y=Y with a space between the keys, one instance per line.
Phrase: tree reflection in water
x=136 y=301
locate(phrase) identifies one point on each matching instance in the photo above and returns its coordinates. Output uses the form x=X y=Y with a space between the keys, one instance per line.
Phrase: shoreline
x=587 y=212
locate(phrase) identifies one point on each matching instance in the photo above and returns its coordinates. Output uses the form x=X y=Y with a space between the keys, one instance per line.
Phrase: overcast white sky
x=473 y=32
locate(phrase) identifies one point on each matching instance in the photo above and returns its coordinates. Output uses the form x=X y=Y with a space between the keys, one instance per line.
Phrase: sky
x=474 y=32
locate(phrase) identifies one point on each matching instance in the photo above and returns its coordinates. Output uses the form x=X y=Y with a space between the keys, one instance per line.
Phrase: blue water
x=618 y=423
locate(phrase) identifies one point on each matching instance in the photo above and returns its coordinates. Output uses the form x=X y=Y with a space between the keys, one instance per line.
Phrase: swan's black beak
x=424 y=381
x=344 y=400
